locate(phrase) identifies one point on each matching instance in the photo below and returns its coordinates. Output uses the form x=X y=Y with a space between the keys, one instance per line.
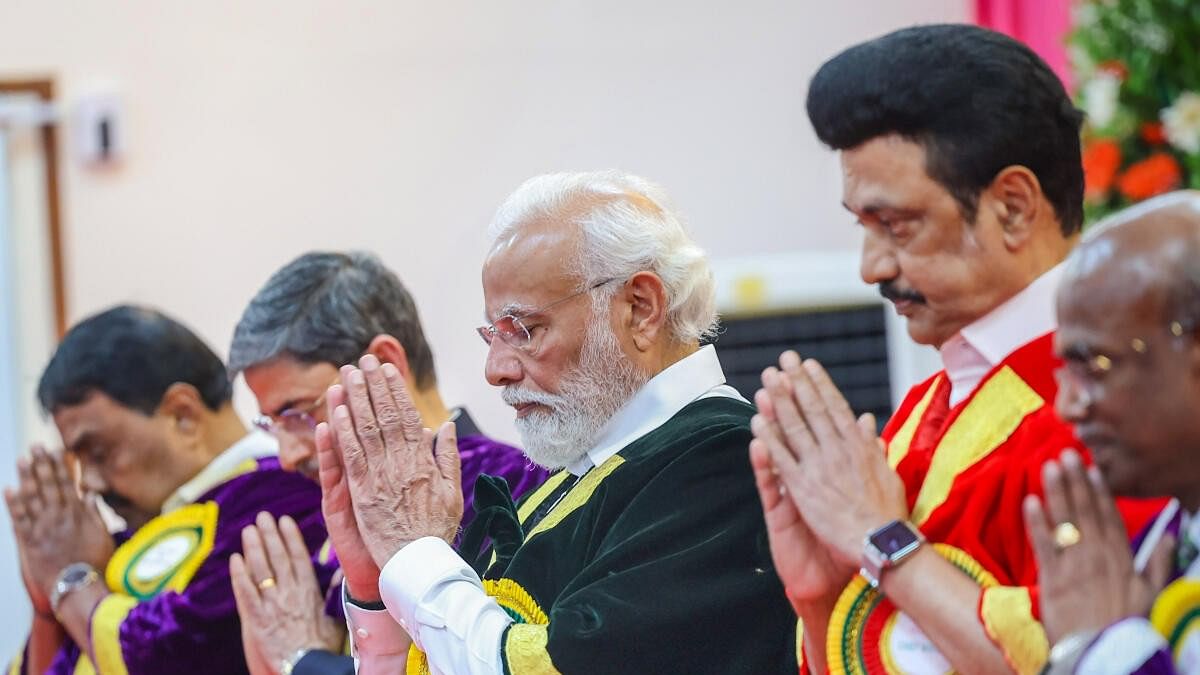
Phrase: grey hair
x=628 y=226
x=327 y=307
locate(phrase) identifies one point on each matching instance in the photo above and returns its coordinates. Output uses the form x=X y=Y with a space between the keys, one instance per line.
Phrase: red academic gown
x=966 y=470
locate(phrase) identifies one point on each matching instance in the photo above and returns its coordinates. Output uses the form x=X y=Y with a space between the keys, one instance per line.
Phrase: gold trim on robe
x=991 y=416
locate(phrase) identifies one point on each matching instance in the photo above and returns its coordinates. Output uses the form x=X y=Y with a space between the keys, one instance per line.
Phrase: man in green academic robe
x=646 y=552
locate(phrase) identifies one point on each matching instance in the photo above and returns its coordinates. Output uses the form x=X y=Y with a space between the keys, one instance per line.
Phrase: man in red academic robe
x=968 y=185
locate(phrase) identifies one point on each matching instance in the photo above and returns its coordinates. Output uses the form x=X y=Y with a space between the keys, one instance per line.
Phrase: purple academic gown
x=190 y=627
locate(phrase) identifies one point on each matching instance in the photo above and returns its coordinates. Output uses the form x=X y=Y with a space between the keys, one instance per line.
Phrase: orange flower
x=1154 y=175
x=1115 y=68
x=1101 y=159
x=1152 y=133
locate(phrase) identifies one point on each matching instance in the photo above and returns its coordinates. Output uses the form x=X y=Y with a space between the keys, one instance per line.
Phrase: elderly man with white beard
x=646 y=552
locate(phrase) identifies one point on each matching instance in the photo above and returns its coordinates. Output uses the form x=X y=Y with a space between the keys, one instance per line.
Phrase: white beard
x=590 y=394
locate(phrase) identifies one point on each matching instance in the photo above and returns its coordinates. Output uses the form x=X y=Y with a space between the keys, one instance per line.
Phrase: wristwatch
x=72 y=578
x=1066 y=653
x=288 y=664
x=887 y=547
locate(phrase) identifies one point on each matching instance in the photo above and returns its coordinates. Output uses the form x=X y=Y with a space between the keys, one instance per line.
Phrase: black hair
x=976 y=100
x=132 y=355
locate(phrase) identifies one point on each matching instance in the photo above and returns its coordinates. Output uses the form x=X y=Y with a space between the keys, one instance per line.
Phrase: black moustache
x=115 y=501
x=889 y=290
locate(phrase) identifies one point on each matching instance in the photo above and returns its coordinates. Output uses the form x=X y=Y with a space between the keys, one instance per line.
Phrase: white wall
x=26 y=323
x=257 y=131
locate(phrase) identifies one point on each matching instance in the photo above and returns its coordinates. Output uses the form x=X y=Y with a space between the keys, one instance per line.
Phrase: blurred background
x=175 y=154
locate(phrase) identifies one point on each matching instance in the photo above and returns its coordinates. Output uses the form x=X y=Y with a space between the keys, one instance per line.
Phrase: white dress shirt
x=434 y=596
x=976 y=349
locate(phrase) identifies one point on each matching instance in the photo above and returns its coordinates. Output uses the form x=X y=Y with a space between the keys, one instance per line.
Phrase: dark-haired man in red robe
x=960 y=158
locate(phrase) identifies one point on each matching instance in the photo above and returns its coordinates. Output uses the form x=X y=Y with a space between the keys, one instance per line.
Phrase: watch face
x=76 y=575
x=893 y=539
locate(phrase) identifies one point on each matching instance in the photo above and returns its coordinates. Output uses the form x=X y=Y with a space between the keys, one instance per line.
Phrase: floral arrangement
x=1137 y=63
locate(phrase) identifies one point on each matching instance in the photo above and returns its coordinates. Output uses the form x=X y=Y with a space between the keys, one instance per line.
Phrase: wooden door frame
x=44 y=90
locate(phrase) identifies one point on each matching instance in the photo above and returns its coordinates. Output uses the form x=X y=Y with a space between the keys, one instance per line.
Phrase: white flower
x=1154 y=37
x=1181 y=122
x=1085 y=66
x=1100 y=98
x=1085 y=15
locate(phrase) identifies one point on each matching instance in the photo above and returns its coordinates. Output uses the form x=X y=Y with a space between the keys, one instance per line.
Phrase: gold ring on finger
x=269 y=582
x=1066 y=535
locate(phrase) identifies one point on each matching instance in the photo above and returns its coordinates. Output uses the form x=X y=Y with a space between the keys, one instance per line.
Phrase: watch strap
x=288 y=664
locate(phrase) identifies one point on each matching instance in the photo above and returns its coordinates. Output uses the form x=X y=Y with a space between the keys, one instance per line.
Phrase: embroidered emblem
x=869 y=635
x=1176 y=616
x=162 y=558
x=165 y=553
x=905 y=649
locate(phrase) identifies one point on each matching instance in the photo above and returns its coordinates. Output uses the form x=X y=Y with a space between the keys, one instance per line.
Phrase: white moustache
x=516 y=397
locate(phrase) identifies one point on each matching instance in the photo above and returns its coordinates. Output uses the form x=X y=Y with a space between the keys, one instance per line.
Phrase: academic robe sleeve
x=1128 y=647
x=1009 y=610
x=191 y=627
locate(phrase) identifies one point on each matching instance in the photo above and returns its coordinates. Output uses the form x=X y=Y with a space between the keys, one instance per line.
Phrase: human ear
x=1016 y=199
x=388 y=349
x=647 y=300
x=182 y=404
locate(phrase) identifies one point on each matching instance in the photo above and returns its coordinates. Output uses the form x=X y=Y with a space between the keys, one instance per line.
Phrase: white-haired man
x=645 y=552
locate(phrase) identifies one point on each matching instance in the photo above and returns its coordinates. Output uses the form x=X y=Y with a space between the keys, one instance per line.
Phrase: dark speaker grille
x=850 y=342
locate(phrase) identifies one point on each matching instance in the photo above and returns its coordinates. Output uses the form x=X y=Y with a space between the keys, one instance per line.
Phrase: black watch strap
x=321 y=662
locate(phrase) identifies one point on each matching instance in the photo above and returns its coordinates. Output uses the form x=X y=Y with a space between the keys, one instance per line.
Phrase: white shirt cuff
x=1121 y=648
x=439 y=600
x=410 y=576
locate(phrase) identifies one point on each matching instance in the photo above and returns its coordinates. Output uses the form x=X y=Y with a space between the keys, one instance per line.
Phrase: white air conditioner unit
x=797 y=283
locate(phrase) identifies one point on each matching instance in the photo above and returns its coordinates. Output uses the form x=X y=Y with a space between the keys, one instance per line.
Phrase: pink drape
x=1041 y=24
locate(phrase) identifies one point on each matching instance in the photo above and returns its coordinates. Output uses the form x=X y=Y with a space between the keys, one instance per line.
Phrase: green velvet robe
x=656 y=561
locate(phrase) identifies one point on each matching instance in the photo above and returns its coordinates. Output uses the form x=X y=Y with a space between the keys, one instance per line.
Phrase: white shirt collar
x=252 y=446
x=980 y=346
x=698 y=375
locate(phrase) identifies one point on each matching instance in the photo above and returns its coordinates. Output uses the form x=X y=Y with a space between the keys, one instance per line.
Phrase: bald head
x=1149 y=252
x=1128 y=310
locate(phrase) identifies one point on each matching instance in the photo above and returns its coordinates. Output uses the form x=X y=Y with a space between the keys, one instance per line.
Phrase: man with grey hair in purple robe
x=319 y=312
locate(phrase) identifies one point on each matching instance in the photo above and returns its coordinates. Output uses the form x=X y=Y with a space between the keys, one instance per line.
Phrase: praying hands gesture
x=801 y=561
x=382 y=483
x=1086 y=575
x=54 y=525
x=832 y=468
x=824 y=484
